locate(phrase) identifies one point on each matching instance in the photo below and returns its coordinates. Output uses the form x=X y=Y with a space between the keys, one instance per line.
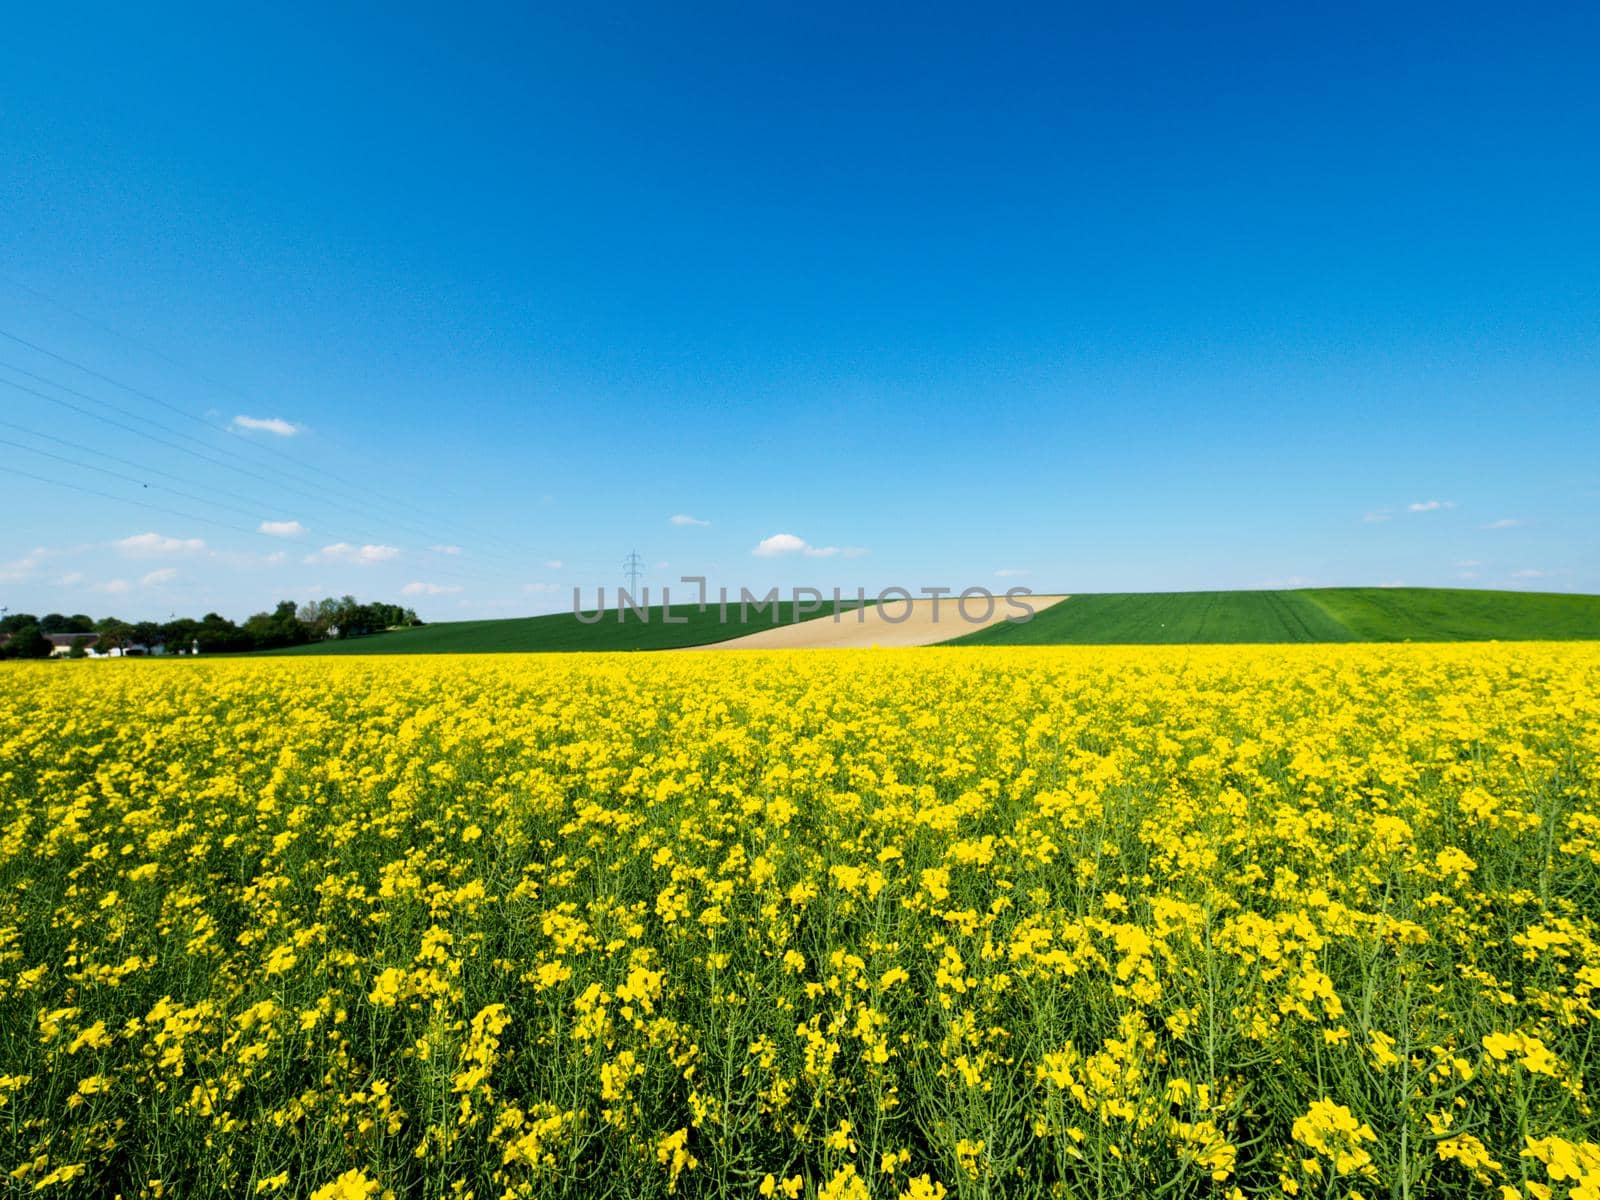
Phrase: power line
x=172 y=512
x=633 y=567
x=303 y=467
x=489 y=572
x=127 y=462
x=290 y=486
x=126 y=478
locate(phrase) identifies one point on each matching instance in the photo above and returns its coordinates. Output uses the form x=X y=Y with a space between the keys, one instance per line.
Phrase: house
x=61 y=643
x=139 y=650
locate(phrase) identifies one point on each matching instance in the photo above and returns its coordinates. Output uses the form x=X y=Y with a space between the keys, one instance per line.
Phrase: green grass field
x=1311 y=615
x=1109 y=618
x=1153 y=618
x=1458 y=614
x=561 y=632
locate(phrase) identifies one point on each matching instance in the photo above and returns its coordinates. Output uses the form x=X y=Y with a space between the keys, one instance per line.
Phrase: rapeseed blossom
x=1278 y=921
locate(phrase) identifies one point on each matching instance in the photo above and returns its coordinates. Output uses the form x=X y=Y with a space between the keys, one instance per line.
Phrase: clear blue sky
x=1175 y=297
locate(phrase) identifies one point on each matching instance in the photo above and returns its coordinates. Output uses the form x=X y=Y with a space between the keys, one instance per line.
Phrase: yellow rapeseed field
x=1304 y=921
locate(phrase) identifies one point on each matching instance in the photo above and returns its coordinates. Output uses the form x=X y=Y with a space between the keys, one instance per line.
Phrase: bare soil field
x=919 y=622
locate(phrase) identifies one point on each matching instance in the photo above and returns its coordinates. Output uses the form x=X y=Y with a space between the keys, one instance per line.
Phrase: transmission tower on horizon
x=633 y=567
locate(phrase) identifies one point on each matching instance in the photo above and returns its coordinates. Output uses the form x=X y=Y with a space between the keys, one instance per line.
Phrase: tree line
x=285 y=625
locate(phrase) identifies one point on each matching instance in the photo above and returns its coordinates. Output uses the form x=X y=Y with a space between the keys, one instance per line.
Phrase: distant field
x=1458 y=614
x=1312 y=615
x=1156 y=618
x=558 y=632
x=1107 y=618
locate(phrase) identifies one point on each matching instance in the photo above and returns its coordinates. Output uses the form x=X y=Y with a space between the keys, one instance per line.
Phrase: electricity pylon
x=633 y=567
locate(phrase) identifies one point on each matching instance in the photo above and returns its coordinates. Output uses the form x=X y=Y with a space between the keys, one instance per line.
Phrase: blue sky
x=1188 y=297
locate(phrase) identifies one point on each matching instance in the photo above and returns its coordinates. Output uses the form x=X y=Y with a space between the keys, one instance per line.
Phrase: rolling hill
x=1308 y=615
x=556 y=632
x=1107 y=618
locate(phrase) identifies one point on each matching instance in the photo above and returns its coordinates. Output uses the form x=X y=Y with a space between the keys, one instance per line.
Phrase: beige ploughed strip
x=885 y=624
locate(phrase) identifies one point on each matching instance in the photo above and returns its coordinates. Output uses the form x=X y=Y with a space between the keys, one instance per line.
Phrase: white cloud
x=663 y=565
x=554 y=564
x=1466 y=575
x=272 y=425
x=1393 y=583
x=70 y=579
x=160 y=576
x=22 y=568
x=1012 y=572
x=1502 y=523
x=1528 y=573
x=780 y=544
x=155 y=545
x=112 y=587
x=534 y=589
x=237 y=558
x=282 y=528
x=1376 y=515
x=1421 y=506
x=360 y=556
x=429 y=589
x=686 y=519
x=445 y=549
x=1468 y=563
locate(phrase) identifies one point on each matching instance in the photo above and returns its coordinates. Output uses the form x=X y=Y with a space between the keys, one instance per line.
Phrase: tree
x=218 y=635
x=114 y=634
x=280 y=627
x=179 y=634
x=26 y=642
x=78 y=648
x=12 y=622
x=54 y=623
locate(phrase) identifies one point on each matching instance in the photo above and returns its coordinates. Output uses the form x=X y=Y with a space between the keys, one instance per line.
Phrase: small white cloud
x=1393 y=583
x=1468 y=563
x=70 y=579
x=429 y=589
x=1376 y=515
x=662 y=565
x=281 y=528
x=360 y=556
x=155 y=545
x=112 y=587
x=1422 y=506
x=273 y=425
x=1012 y=572
x=27 y=567
x=686 y=519
x=553 y=564
x=445 y=549
x=536 y=589
x=1528 y=573
x=1466 y=575
x=1502 y=523
x=780 y=544
x=158 y=577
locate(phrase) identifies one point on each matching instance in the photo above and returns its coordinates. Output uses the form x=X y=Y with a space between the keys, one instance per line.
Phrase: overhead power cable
x=388 y=501
x=172 y=512
x=204 y=457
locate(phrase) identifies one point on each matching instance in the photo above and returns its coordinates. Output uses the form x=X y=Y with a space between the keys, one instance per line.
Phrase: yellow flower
x=1332 y=1131
x=352 y=1185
